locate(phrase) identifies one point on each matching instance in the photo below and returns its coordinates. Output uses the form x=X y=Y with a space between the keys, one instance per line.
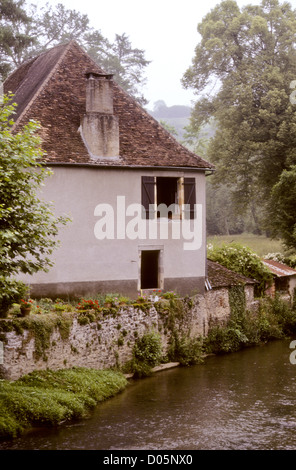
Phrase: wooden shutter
x=148 y=184
x=189 y=197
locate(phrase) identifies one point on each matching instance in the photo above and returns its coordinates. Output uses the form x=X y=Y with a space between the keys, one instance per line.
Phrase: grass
x=53 y=397
x=260 y=244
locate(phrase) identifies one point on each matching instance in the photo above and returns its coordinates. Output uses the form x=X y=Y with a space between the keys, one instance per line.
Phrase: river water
x=240 y=401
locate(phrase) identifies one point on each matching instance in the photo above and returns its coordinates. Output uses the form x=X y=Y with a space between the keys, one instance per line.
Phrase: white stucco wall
x=76 y=191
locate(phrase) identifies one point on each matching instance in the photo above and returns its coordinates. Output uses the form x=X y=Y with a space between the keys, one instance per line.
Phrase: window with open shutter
x=170 y=193
x=148 y=195
x=189 y=197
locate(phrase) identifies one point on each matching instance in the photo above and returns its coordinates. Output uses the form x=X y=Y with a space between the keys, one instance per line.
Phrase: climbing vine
x=237 y=302
x=181 y=347
x=40 y=328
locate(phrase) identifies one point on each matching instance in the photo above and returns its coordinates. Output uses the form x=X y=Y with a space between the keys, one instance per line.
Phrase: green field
x=258 y=243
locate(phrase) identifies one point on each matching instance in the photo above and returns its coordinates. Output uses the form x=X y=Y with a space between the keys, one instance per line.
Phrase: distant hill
x=176 y=116
x=176 y=111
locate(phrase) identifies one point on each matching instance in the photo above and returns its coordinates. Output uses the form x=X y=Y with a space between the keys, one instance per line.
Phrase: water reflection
x=244 y=400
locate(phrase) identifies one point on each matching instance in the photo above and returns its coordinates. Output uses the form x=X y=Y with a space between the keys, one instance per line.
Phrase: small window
x=168 y=197
x=150 y=269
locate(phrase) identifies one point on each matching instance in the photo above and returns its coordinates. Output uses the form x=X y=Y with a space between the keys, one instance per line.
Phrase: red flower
x=27 y=302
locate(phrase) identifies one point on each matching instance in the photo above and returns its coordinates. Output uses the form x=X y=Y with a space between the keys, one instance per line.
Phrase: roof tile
x=51 y=89
x=219 y=276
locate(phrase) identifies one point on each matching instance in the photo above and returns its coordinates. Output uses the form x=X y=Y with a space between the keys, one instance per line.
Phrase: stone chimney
x=99 y=126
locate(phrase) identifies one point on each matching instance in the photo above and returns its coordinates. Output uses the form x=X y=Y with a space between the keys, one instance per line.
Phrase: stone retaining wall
x=109 y=340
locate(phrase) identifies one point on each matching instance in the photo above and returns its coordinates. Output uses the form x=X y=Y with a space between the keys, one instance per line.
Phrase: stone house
x=284 y=279
x=219 y=281
x=135 y=195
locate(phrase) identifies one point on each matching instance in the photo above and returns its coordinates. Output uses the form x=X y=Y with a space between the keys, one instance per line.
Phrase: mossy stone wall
x=66 y=339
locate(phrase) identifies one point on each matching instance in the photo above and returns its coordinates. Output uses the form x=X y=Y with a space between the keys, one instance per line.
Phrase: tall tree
x=242 y=71
x=28 y=228
x=282 y=206
x=55 y=25
x=12 y=40
x=49 y=26
x=127 y=63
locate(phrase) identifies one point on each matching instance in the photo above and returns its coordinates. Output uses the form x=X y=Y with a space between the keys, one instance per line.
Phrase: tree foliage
x=127 y=63
x=13 y=41
x=28 y=227
x=242 y=260
x=48 y=26
x=282 y=205
x=242 y=71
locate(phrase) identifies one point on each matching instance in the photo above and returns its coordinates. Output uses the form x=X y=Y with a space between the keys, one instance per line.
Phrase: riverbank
x=47 y=397
x=50 y=398
x=240 y=401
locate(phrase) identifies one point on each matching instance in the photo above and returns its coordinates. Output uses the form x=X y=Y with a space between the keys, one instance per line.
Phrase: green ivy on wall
x=237 y=302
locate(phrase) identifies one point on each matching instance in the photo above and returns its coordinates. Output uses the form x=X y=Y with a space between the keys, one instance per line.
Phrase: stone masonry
x=108 y=342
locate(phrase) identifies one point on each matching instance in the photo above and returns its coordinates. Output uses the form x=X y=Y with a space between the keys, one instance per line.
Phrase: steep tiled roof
x=219 y=276
x=51 y=89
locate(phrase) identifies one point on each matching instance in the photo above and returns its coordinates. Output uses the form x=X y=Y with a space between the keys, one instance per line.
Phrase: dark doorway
x=149 y=269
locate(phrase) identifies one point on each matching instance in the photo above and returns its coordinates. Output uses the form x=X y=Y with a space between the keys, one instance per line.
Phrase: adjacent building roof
x=219 y=276
x=279 y=269
x=51 y=89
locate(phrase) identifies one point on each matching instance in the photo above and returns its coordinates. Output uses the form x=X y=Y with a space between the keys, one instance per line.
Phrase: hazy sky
x=165 y=29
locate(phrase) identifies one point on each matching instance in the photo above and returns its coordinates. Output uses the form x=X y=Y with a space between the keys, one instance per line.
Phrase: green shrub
x=147 y=353
x=170 y=295
x=275 y=319
x=139 y=369
x=284 y=314
x=11 y=291
x=186 y=350
x=244 y=261
x=225 y=339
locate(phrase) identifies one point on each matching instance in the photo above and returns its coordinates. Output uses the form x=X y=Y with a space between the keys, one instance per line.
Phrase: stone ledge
x=168 y=365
